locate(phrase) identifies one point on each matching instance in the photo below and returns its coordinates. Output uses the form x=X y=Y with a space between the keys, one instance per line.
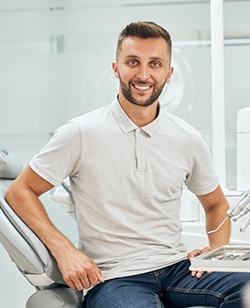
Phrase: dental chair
x=31 y=257
x=29 y=254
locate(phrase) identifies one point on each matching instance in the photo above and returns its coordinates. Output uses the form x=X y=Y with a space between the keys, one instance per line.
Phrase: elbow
x=9 y=194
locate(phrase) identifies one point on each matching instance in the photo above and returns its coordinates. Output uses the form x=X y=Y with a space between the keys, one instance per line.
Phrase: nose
x=143 y=72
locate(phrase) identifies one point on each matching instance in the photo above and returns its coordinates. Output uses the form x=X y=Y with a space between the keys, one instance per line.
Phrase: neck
x=140 y=115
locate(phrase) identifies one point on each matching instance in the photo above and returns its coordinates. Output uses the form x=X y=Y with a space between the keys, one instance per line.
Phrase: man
x=127 y=164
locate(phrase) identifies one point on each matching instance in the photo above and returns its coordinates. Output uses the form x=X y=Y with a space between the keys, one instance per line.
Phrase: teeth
x=142 y=87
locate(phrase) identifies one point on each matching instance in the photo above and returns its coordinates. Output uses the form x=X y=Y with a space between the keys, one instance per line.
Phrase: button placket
x=139 y=149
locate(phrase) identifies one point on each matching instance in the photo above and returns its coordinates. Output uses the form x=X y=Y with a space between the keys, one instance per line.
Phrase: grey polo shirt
x=127 y=184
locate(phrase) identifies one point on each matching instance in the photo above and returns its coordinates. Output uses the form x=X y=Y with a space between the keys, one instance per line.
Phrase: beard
x=127 y=93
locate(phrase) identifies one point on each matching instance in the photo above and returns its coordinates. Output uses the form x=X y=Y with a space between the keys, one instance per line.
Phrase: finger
x=99 y=277
x=85 y=283
x=70 y=283
x=197 y=274
x=78 y=281
x=193 y=273
x=194 y=253
x=75 y=283
x=98 y=274
x=93 y=278
x=206 y=249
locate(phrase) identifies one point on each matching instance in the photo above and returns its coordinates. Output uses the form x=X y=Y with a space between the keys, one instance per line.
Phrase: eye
x=155 y=64
x=132 y=62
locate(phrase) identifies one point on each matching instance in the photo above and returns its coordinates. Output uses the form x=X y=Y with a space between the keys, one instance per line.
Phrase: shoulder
x=93 y=117
x=178 y=125
x=73 y=129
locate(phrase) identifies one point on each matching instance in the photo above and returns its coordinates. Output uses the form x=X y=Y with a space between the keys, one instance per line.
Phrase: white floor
x=14 y=289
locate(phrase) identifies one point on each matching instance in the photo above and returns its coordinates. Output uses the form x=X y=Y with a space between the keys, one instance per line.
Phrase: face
x=143 y=68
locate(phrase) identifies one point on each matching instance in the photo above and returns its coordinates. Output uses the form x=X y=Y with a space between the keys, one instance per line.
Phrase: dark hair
x=144 y=29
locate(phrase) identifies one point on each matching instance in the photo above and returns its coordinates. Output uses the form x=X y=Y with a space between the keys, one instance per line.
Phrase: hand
x=79 y=271
x=195 y=253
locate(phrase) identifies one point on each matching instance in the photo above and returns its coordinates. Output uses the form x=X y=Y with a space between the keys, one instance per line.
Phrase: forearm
x=218 y=229
x=29 y=208
x=23 y=197
x=216 y=206
x=77 y=269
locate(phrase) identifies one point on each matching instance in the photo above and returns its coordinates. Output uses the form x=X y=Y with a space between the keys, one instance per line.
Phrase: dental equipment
x=228 y=258
x=246 y=224
x=241 y=208
x=231 y=257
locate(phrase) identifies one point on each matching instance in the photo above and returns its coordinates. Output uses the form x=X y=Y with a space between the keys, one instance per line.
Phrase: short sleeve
x=202 y=178
x=60 y=157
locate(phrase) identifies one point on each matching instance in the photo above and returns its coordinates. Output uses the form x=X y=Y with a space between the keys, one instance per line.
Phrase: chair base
x=62 y=297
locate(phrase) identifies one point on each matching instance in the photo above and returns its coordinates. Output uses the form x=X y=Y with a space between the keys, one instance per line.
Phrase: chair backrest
x=10 y=165
x=25 y=249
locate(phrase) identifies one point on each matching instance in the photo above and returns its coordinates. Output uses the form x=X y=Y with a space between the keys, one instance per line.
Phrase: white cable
x=215 y=230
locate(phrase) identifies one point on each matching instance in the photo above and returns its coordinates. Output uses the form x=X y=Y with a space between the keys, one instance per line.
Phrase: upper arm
x=28 y=180
x=215 y=199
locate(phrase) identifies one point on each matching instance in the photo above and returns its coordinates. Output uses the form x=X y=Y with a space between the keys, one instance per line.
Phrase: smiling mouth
x=142 y=88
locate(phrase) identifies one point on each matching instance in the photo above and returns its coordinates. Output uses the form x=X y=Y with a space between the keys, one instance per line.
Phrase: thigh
x=218 y=289
x=128 y=292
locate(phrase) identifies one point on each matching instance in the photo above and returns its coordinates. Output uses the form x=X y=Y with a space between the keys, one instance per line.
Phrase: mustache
x=141 y=82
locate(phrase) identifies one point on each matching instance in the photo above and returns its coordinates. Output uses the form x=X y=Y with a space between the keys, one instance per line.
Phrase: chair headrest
x=10 y=165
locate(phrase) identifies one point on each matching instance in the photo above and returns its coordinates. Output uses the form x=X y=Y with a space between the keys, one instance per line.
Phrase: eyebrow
x=151 y=58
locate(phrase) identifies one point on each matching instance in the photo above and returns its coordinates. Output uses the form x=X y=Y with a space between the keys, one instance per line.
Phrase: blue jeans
x=171 y=287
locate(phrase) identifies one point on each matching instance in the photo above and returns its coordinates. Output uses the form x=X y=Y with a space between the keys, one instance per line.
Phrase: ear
x=170 y=73
x=115 y=69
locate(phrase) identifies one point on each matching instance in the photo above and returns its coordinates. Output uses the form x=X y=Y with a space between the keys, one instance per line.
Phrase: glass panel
x=237 y=76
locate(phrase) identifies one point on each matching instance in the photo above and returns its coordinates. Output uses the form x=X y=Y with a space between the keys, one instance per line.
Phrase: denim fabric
x=171 y=287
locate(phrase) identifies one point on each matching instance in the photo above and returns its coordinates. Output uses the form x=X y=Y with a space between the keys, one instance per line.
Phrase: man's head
x=143 y=63
x=144 y=30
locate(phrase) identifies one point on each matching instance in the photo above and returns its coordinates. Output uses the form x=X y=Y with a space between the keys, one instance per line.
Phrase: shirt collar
x=128 y=126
